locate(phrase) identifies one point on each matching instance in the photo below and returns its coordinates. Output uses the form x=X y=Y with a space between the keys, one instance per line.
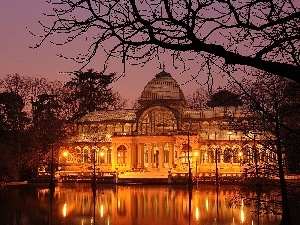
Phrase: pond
x=128 y=204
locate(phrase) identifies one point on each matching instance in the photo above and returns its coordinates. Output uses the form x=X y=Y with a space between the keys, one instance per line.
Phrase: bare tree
x=269 y=110
x=198 y=99
x=262 y=34
x=29 y=88
x=119 y=102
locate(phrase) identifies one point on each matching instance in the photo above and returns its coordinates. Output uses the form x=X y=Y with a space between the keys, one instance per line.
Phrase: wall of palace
x=165 y=134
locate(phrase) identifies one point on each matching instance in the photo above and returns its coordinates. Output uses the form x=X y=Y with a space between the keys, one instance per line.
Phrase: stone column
x=171 y=156
x=161 y=156
x=142 y=155
x=149 y=155
x=133 y=161
x=114 y=156
x=151 y=152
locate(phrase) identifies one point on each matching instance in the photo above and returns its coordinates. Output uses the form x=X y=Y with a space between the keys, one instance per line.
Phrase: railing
x=79 y=176
x=159 y=133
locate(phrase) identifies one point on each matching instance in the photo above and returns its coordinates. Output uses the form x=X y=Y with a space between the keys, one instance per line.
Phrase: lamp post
x=217 y=173
x=52 y=168
x=94 y=168
x=190 y=181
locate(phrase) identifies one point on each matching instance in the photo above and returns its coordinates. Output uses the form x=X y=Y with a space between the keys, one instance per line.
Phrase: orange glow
x=197 y=213
x=65 y=210
x=101 y=210
x=242 y=216
x=101 y=154
x=65 y=153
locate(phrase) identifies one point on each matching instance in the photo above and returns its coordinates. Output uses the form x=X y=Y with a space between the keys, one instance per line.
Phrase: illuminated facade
x=163 y=134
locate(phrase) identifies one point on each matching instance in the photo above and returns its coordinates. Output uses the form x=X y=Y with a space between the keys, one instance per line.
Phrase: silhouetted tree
x=198 y=99
x=266 y=102
x=224 y=98
x=259 y=34
x=47 y=129
x=29 y=88
x=119 y=102
x=13 y=122
x=290 y=114
x=89 y=91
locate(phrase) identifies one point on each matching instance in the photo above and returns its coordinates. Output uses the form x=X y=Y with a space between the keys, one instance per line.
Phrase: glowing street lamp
x=65 y=154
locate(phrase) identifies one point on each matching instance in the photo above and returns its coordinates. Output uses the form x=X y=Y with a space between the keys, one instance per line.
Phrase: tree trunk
x=286 y=216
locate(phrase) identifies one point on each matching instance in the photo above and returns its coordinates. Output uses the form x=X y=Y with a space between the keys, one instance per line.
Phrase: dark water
x=128 y=205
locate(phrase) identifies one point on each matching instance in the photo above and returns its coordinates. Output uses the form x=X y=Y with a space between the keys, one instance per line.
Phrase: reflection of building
x=160 y=135
x=145 y=205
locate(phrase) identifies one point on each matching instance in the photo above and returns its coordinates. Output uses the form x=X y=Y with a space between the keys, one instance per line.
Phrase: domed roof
x=163 y=86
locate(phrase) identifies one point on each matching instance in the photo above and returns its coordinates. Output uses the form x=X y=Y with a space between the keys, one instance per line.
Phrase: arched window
x=102 y=156
x=118 y=127
x=86 y=156
x=78 y=154
x=227 y=157
x=211 y=156
x=121 y=151
x=247 y=154
x=157 y=120
x=127 y=127
x=166 y=154
x=204 y=154
x=236 y=157
x=205 y=125
x=146 y=155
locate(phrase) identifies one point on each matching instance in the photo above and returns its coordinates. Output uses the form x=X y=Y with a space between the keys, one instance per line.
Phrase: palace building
x=162 y=135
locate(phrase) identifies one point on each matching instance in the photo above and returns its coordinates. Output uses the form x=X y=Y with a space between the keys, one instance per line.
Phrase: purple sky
x=19 y=16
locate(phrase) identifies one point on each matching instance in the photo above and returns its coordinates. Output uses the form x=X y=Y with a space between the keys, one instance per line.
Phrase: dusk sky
x=18 y=17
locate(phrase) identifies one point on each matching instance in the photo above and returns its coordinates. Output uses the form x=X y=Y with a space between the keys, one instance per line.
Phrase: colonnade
x=165 y=154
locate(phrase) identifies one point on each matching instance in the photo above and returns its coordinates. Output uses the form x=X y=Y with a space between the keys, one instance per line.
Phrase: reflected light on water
x=65 y=210
x=101 y=210
x=147 y=205
x=242 y=212
x=242 y=216
x=197 y=213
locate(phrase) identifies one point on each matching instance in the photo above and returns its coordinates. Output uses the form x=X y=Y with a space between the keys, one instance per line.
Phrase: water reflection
x=78 y=204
